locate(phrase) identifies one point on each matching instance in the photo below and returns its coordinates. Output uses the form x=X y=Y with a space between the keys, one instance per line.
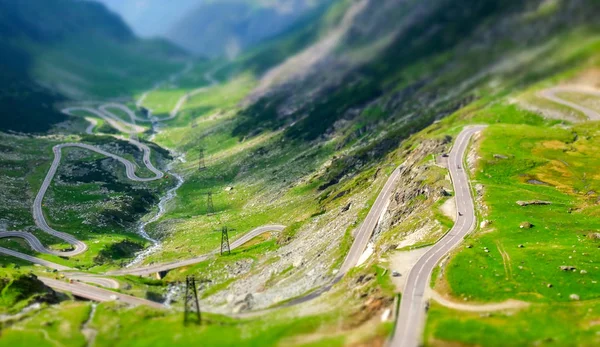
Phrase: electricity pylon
x=191 y=312
x=225 y=240
x=201 y=161
x=210 y=208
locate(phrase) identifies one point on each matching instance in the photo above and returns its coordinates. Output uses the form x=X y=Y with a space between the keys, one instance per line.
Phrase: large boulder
x=526 y=225
x=593 y=236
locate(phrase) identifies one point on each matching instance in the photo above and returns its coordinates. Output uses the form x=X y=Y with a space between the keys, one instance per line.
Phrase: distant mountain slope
x=150 y=18
x=51 y=20
x=24 y=105
x=411 y=61
x=57 y=49
x=227 y=27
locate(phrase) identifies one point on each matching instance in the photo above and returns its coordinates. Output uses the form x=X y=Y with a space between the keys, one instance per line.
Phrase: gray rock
x=594 y=236
x=245 y=304
x=533 y=202
x=526 y=225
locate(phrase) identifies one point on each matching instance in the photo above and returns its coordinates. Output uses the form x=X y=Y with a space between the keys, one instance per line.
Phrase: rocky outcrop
x=414 y=192
x=533 y=202
x=568 y=268
x=246 y=304
x=526 y=225
x=593 y=236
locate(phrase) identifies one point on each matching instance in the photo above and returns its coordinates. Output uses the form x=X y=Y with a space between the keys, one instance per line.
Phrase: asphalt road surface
x=96 y=294
x=148 y=270
x=411 y=317
x=366 y=229
x=37 y=208
x=550 y=94
x=34 y=260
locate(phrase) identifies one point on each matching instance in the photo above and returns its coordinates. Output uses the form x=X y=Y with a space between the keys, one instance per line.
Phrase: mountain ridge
x=226 y=28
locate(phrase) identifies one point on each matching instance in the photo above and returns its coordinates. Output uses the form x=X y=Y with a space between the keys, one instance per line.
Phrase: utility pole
x=210 y=208
x=201 y=161
x=191 y=313
x=225 y=240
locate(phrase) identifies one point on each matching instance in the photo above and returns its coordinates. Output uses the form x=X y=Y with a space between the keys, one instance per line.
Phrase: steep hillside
x=308 y=139
x=75 y=49
x=413 y=65
x=226 y=28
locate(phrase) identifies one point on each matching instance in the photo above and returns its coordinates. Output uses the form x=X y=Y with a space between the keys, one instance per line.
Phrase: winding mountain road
x=104 y=112
x=550 y=94
x=97 y=294
x=116 y=122
x=411 y=317
x=155 y=268
x=182 y=100
x=361 y=239
x=37 y=210
x=32 y=259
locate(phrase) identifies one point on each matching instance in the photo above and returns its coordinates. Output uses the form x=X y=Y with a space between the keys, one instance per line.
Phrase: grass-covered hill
x=58 y=49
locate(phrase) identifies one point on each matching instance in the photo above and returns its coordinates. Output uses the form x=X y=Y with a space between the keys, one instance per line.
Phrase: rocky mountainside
x=409 y=73
x=365 y=97
x=227 y=27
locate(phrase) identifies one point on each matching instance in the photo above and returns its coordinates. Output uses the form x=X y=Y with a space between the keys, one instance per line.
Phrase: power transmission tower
x=210 y=208
x=191 y=313
x=201 y=161
x=225 y=240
